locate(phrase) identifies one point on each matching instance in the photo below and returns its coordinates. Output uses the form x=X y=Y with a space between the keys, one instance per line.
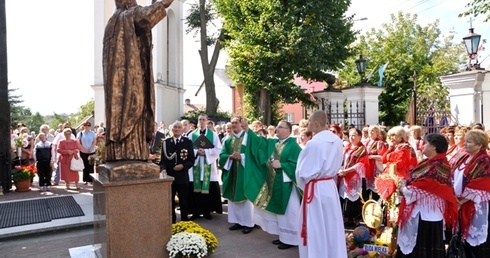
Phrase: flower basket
x=192 y=227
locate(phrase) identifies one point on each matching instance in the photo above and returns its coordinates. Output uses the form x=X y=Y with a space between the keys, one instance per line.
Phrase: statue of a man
x=128 y=79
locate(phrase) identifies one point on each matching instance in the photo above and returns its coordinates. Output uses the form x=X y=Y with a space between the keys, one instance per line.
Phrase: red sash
x=308 y=195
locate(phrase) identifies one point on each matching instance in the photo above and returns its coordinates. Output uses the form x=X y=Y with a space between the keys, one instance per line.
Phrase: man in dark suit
x=176 y=160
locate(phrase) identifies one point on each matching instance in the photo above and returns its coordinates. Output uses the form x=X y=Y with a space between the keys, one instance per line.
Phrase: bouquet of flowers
x=20 y=173
x=21 y=141
x=185 y=244
x=192 y=227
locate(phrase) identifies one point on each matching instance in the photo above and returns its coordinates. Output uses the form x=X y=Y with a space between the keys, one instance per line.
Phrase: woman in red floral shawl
x=459 y=141
x=351 y=175
x=428 y=199
x=472 y=187
x=375 y=148
x=399 y=152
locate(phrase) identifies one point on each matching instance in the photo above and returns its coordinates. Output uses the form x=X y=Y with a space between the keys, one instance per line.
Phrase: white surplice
x=321 y=158
x=211 y=157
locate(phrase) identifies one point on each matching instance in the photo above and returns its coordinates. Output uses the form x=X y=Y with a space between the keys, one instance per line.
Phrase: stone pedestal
x=132 y=215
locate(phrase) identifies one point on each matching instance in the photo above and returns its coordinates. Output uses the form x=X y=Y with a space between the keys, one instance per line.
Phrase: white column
x=103 y=10
x=334 y=98
x=369 y=95
x=99 y=99
x=468 y=92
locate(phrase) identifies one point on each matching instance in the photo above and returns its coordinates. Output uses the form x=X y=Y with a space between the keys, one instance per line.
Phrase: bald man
x=321 y=220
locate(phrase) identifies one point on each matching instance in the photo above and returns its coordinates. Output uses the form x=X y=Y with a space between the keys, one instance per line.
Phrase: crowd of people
x=304 y=183
x=300 y=182
x=53 y=149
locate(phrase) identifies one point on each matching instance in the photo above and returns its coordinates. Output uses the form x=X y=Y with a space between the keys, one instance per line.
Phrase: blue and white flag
x=381 y=71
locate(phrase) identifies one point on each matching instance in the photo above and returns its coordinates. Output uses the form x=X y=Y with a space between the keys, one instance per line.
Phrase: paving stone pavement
x=47 y=240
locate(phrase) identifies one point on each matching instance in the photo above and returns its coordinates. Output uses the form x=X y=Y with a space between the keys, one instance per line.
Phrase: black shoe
x=208 y=216
x=284 y=246
x=194 y=217
x=236 y=227
x=247 y=230
x=277 y=242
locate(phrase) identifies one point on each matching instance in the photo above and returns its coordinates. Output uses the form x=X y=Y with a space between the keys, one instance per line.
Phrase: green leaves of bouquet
x=192 y=227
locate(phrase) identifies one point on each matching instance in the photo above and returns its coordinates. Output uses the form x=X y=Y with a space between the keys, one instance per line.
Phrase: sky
x=50 y=45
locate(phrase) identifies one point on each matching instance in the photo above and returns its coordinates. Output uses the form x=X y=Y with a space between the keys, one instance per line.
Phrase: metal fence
x=347 y=113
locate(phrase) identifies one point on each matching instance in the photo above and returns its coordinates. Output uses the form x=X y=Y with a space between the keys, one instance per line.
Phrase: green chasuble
x=235 y=179
x=201 y=187
x=266 y=188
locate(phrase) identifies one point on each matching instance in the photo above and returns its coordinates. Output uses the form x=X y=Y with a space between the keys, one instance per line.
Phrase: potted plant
x=22 y=176
x=192 y=227
x=188 y=245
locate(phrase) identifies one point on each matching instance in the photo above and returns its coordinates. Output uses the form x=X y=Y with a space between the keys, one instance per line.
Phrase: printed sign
x=376 y=248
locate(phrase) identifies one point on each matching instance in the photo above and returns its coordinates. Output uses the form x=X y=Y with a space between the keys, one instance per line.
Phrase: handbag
x=76 y=164
x=456 y=247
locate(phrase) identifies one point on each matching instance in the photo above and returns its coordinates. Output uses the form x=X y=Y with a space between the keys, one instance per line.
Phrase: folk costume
x=374 y=147
x=350 y=186
x=456 y=155
x=177 y=151
x=428 y=199
x=417 y=146
x=472 y=182
x=277 y=200
x=128 y=80
x=402 y=157
x=451 y=151
x=320 y=222
x=205 y=193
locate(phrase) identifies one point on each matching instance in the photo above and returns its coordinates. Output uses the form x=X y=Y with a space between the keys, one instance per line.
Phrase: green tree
x=408 y=47
x=17 y=111
x=58 y=119
x=477 y=7
x=271 y=41
x=34 y=122
x=85 y=110
x=200 y=17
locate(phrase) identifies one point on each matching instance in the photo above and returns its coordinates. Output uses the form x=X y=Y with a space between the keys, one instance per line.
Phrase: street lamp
x=361 y=67
x=471 y=42
x=360 y=19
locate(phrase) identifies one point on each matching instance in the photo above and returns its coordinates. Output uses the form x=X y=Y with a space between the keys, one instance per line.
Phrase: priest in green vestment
x=237 y=165
x=272 y=189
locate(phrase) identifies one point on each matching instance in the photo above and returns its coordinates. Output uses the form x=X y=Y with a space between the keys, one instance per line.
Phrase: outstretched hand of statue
x=167 y=3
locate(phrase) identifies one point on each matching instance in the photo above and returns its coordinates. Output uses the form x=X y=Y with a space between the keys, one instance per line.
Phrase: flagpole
x=415 y=97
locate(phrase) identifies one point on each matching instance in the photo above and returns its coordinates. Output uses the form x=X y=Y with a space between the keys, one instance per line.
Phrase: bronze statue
x=128 y=79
